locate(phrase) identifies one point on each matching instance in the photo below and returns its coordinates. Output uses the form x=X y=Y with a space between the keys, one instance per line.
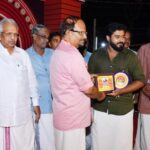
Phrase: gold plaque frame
x=105 y=82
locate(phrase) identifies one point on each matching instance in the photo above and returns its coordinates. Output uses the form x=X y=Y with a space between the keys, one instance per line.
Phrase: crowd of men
x=49 y=96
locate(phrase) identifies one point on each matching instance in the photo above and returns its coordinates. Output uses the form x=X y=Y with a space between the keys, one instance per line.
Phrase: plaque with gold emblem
x=121 y=80
x=105 y=82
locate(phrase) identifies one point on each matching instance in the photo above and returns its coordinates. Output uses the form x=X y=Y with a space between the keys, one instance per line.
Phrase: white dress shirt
x=17 y=87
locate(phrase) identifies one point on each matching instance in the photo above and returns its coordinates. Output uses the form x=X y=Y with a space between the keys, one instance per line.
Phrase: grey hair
x=7 y=20
x=37 y=28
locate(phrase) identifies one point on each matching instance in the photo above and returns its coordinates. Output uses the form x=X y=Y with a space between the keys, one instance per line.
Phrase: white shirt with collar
x=17 y=87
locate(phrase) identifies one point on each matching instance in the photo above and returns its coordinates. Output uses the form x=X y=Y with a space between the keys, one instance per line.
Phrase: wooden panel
x=68 y=12
x=56 y=10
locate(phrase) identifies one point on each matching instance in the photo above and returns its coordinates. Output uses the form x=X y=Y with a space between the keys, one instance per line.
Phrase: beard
x=117 y=48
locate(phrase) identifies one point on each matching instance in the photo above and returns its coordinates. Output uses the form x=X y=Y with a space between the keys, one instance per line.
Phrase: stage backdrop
x=29 y=12
x=20 y=12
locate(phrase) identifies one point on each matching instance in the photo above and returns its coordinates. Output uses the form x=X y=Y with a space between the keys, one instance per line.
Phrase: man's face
x=9 y=36
x=79 y=34
x=117 y=40
x=128 y=40
x=55 y=41
x=41 y=38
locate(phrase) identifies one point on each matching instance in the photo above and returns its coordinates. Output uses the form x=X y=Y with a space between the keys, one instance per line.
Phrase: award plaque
x=121 y=80
x=105 y=82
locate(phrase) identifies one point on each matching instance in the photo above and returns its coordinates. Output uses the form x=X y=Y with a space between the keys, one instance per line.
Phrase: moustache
x=120 y=43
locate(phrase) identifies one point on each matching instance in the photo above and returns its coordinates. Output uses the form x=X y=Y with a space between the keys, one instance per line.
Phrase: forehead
x=56 y=37
x=44 y=30
x=127 y=35
x=9 y=27
x=119 y=33
x=80 y=25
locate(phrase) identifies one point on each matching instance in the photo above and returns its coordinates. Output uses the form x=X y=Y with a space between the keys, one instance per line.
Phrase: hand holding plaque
x=105 y=82
x=110 y=82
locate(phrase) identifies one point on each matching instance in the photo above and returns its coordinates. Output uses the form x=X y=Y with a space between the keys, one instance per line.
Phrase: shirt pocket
x=22 y=72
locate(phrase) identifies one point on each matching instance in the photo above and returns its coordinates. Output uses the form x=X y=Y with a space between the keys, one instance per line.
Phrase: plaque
x=121 y=80
x=105 y=82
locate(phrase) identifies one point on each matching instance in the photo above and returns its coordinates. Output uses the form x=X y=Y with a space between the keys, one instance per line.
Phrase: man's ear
x=49 y=44
x=108 y=38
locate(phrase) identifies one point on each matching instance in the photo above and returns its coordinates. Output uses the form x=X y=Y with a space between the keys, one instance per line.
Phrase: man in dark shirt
x=113 y=117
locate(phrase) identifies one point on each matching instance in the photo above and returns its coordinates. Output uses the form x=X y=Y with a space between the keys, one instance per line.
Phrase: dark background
x=37 y=7
x=133 y=13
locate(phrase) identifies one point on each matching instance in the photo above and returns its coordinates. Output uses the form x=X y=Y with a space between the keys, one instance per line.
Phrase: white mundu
x=45 y=125
x=72 y=139
x=18 y=86
x=107 y=131
x=143 y=137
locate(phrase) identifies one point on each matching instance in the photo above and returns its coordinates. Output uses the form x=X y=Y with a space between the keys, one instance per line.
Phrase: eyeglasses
x=42 y=36
x=9 y=34
x=80 y=32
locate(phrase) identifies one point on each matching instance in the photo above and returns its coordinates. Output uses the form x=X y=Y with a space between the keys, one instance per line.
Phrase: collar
x=66 y=46
x=35 y=53
x=4 y=50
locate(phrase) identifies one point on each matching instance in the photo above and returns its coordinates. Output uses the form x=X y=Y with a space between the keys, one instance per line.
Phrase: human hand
x=101 y=96
x=93 y=76
x=37 y=112
x=114 y=93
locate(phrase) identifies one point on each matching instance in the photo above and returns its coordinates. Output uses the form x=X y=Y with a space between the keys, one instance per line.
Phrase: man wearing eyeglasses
x=40 y=58
x=72 y=87
x=18 y=86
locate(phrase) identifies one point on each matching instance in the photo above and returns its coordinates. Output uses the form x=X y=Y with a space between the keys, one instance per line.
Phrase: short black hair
x=112 y=27
x=53 y=34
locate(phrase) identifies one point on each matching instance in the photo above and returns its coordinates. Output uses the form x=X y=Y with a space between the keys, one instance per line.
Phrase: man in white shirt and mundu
x=17 y=88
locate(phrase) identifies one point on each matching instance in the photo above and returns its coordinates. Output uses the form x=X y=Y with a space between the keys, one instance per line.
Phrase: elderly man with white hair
x=18 y=87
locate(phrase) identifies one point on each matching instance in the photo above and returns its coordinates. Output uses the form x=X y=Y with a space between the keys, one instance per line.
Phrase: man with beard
x=40 y=57
x=112 y=127
x=72 y=87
